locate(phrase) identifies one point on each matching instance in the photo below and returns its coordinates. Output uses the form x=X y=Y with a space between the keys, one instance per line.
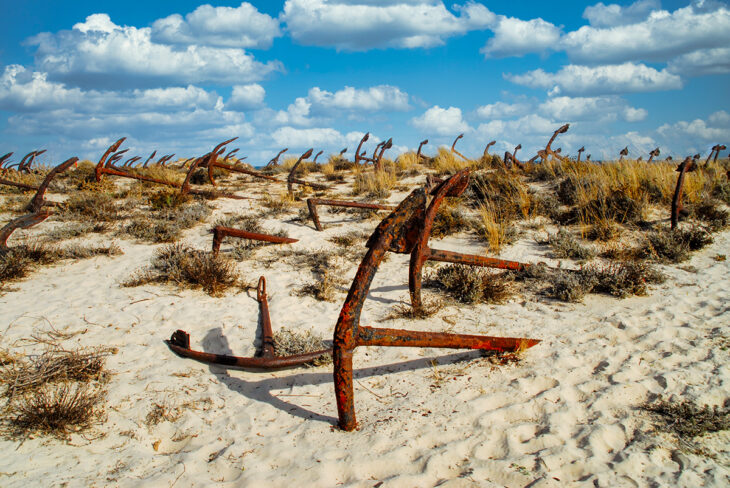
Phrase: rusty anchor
x=275 y=160
x=453 y=148
x=418 y=153
x=359 y=156
x=265 y=357
x=624 y=152
x=486 y=149
x=220 y=232
x=314 y=215
x=291 y=179
x=688 y=165
x=654 y=154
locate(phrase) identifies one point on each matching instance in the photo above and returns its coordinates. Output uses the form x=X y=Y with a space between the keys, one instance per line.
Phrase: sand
x=565 y=415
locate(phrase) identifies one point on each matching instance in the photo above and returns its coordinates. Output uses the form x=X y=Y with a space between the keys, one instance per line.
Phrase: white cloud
x=365 y=25
x=591 y=108
x=243 y=26
x=99 y=53
x=501 y=110
x=661 y=37
x=600 y=80
x=720 y=118
x=695 y=129
x=23 y=90
x=245 y=97
x=315 y=137
x=297 y=113
x=703 y=62
x=441 y=121
x=373 y=99
x=601 y=15
x=516 y=37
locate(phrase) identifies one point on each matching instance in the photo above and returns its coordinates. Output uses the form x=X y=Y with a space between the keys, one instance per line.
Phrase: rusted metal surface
x=348 y=332
x=313 y=202
x=342 y=153
x=624 y=152
x=220 y=232
x=129 y=162
x=654 y=154
x=453 y=148
x=38 y=214
x=18 y=184
x=316 y=156
x=149 y=159
x=378 y=160
x=99 y=170
x=549 y=151
x=24 y=222
x=720 y=147
x=4 y=158
x=231 y=153
x=486 y=149
x=275 y=160
x=418 y=153
x=291 y=179
x=38 y=200
x=580 y=151
x=265 y=357
x=685 y=166
x=358 y=156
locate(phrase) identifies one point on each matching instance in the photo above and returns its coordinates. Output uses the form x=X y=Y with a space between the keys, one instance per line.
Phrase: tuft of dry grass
x=91 y=205
x=167 y=223
x=673 y=246
x=687 y=420
x=492 y=227
x=446 y=162
x=56 y=393
x=188 y=267
x=450 y=219
x=18 y=261
x=565 y=246
x=277 y=206
x=470 y=284
x=375 y=184
x=288 y=343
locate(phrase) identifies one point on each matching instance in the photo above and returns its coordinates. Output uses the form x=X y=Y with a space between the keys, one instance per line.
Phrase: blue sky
x=181 y=76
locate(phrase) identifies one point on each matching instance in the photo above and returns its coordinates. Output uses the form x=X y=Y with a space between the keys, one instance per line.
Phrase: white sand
x=566 y=415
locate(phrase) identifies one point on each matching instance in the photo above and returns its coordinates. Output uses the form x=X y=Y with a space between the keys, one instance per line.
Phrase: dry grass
x=504 y=192
x=470 y=284
x=375 y=184
x=190 y=268
x=56 y=393
x=167 y=223
x=91 y=205
x=673 y=246
x=323 y=287
x=277 y=205
x=450 y=219
x=22 y=259
x=565 y=246
x=289 y=343
x=446 y=162
x=492 y=227
x=686 y=420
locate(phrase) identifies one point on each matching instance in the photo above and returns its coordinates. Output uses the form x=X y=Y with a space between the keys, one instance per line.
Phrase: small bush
x=450 y=220
x=167 y=224
x=603 y=230
x=90 y=205
x=376 y=184
x=322 y=288
x=166 y=199
x=188 y=267
x=289 y=343
x=622 y=279
x=470 y=284
x=673 y=246
x=709 y=212
x=570 y=286
x=686 y=420
x=277 y=206
x=564 y=245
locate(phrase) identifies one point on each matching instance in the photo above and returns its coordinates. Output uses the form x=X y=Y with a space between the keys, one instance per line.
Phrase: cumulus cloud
x=362 y=25
x=243 y=26
x=591 y=108
x=293 y=137
x=501 y=110
x=703 y=62
x=600 y=80
x=441 y=121
x=99 y=53
x=516 y=37
x=660 y=37
x=694 y=130
x=322 y=104
x=373 y=99
x=22 y=90
x=245 y=97
x=601 y=15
